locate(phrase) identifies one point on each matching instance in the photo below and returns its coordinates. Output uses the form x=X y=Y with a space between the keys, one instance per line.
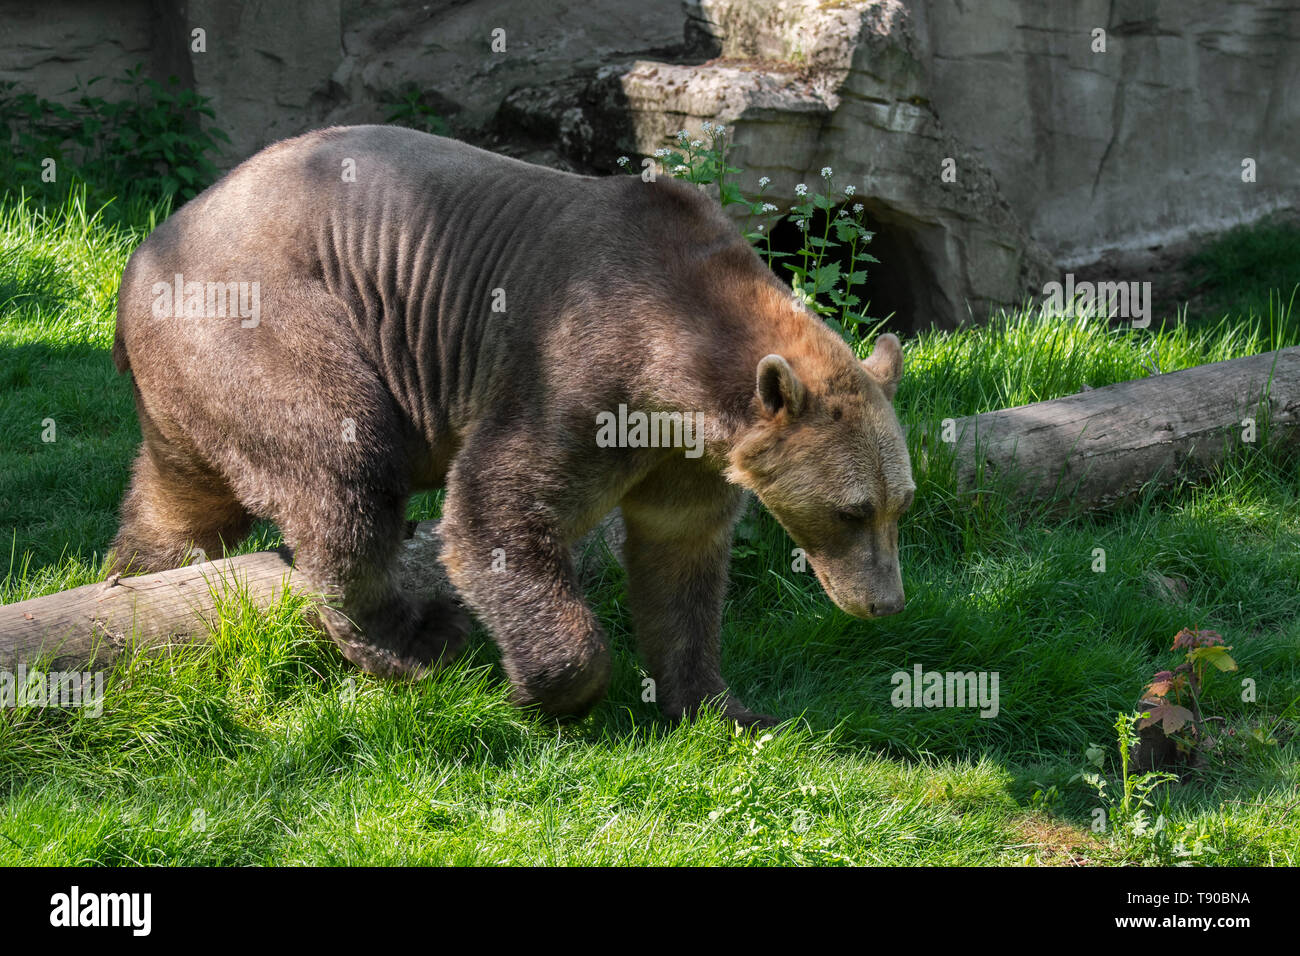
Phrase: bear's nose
x=886 y=608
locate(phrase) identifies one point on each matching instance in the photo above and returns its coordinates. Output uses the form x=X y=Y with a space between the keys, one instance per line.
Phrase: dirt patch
x=1056 y=843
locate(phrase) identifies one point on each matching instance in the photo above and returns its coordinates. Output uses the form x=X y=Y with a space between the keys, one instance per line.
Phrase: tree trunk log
x=1104 y=444
x=152 y=612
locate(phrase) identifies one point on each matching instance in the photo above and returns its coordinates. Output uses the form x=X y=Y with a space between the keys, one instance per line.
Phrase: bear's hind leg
x=173 y=508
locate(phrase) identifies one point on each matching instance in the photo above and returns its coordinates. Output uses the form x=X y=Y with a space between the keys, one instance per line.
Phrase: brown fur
x=376 y=308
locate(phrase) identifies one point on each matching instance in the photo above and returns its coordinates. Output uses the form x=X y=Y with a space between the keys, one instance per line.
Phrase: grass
x=265 y=747
x=1247 y=269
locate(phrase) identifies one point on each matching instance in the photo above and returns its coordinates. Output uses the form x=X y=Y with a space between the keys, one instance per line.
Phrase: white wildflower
x=764 y=182
x=801 y=190
x=826 y=172
x=850 y=190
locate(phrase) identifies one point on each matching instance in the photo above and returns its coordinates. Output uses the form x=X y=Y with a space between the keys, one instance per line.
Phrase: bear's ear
x=885 y=364
x=779 y=387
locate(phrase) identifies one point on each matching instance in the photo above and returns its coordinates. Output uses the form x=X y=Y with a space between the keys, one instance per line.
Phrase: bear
x=359 y=313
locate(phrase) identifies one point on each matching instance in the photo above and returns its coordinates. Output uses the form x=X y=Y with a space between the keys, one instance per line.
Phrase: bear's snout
x=872 y=607
x=886 y=607
x=861 y=599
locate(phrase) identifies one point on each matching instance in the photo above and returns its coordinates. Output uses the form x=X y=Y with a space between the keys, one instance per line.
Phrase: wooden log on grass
x=1105 y=444
x=93 y=624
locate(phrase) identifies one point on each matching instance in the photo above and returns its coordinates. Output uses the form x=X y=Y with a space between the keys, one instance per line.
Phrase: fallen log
x=93 y=624
x=1092 y=448
x=1105 y=444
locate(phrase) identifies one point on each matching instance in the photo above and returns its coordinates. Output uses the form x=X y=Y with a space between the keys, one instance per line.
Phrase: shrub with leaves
x=1141 y=827
x=407 y=107
x=829 y=268
x=150 y=140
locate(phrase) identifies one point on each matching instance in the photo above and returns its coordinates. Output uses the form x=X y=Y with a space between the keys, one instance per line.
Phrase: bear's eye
x=856 y=513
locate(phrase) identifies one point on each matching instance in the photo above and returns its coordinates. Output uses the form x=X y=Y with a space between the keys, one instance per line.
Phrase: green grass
x=1247 y=270
x=265 y=747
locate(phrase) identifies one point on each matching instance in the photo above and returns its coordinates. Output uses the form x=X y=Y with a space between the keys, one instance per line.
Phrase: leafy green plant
x=816 y=273
x=408 y=108
x=1045 y=797
x=1129 y=812
x=829 y=266
x=151 y=140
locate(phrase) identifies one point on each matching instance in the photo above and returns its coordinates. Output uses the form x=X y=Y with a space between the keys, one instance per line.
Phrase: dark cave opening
x=901 y=288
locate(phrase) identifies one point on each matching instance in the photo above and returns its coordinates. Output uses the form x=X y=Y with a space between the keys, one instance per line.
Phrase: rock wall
x=807 y=85
x=1140 y=145
x=1059 y=153
x=45 y=48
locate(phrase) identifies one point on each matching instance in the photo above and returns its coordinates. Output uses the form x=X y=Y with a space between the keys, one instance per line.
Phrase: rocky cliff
x=992 y=143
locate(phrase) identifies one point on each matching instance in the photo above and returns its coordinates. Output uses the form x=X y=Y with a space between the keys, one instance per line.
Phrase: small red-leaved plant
x=1164 y=697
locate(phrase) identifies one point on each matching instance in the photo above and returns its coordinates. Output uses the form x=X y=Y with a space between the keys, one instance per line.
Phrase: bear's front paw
x=732 y=709
x=747 y=718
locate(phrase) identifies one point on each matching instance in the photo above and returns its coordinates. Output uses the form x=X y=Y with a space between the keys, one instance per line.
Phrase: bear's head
x=827 y=458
